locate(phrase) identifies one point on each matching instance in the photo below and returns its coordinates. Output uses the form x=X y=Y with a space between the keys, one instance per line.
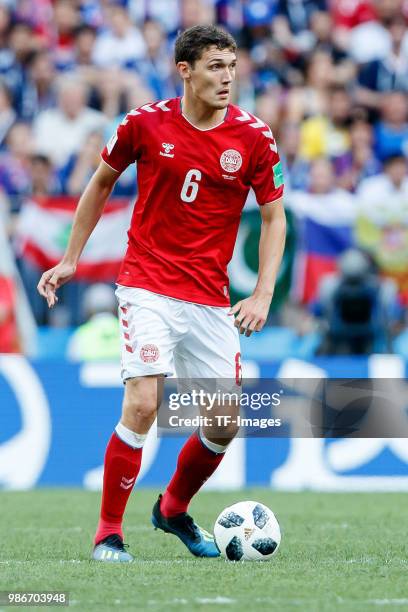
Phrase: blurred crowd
x=330 y=77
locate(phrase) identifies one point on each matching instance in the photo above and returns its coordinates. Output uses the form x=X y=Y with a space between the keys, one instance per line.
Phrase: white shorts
x=162 y=335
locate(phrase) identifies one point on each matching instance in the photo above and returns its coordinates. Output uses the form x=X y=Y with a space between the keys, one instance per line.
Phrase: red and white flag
x=43 y=230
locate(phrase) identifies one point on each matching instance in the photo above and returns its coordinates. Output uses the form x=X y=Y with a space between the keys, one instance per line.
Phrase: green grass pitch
x=341 y=552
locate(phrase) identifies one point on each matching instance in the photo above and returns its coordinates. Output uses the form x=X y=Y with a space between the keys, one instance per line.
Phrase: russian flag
x=325 y=225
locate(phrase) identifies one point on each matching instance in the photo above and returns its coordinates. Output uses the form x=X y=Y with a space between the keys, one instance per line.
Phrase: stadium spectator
x=5 y=24
x=82 y=64
x=15 y=177
x=4 y=213
x=196 y=12
x=98 y=338
x=166 y=12
x=92 y=13
x=38 y=93
x=268 y=108
x=122 y=43
x=322 y=196
x=80 y=167
x=108 y=86
x=311 y=98
x=360 y=161
x=68 y=124
x=245 y=90
x=40 y=15
x=373 y=40
x=384 y=187
x=388 y=72
x=74 y=176
x=84 y=42
x=326 y=134
x=256 y=17
x=66 y=19
x=356 y=308
x=295 y=168
x=270 y=66
x=291 y=25
x=326 y=215
x=44 y=180
x=156 y=68
x=347 y=15
x=322 y=28
x=382 y=228
x=7 y=113
x=391 y=132
x=22 y=42
x=13 y=59
x=256 y=13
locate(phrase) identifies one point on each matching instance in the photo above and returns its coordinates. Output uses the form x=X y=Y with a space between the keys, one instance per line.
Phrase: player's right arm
x=87 y=215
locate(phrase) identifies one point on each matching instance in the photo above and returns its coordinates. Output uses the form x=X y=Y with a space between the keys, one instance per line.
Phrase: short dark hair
x=394 y=157
x=39 y=158
x=191 y=43
x=84 y=28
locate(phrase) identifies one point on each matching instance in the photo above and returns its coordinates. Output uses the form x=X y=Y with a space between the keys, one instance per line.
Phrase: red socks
x=122 y=465
x=195 y=465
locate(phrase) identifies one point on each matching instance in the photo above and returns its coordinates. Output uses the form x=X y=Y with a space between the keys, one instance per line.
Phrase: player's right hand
x=52 y=279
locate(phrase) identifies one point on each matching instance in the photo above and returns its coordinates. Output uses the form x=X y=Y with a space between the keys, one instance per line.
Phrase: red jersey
x=192 y=186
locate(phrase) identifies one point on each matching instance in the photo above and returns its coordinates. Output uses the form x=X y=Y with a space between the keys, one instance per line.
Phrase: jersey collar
x=226 y=117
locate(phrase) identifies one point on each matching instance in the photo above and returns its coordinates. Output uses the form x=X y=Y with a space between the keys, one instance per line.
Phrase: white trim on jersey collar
x=202 y=129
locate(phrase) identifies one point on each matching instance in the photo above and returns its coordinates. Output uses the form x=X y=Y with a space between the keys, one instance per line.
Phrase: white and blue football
x=247 y=531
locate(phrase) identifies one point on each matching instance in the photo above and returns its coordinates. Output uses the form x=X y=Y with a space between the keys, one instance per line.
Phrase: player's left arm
x=251 y=313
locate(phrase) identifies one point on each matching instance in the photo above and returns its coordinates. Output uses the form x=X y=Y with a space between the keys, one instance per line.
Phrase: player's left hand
x=251 y=313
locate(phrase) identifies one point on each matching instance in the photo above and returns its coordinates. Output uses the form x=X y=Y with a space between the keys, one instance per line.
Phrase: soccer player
x=197 y=158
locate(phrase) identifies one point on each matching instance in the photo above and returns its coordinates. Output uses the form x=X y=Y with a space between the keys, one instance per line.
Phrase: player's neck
x=200 y=114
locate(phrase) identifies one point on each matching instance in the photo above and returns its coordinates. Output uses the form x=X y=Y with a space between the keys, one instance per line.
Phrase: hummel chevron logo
x=126 y=487
x=268 y=134
x=127 y=483
x=149 y=108
x=244 y=117
x=127 y=480
x=162 y=105
x=167 y=146
x=131 y=113
x=258 y=123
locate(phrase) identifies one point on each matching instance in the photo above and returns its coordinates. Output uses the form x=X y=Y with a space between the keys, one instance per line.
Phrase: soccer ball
x=247 y=531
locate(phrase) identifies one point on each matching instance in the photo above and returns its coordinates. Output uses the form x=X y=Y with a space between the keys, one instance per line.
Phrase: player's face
x=212 y=76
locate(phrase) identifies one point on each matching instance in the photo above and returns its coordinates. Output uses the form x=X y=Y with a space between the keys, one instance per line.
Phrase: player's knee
x=141 y=401
x=140 y=408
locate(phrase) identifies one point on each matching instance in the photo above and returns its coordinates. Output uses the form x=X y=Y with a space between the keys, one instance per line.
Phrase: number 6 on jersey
x=190 y=188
